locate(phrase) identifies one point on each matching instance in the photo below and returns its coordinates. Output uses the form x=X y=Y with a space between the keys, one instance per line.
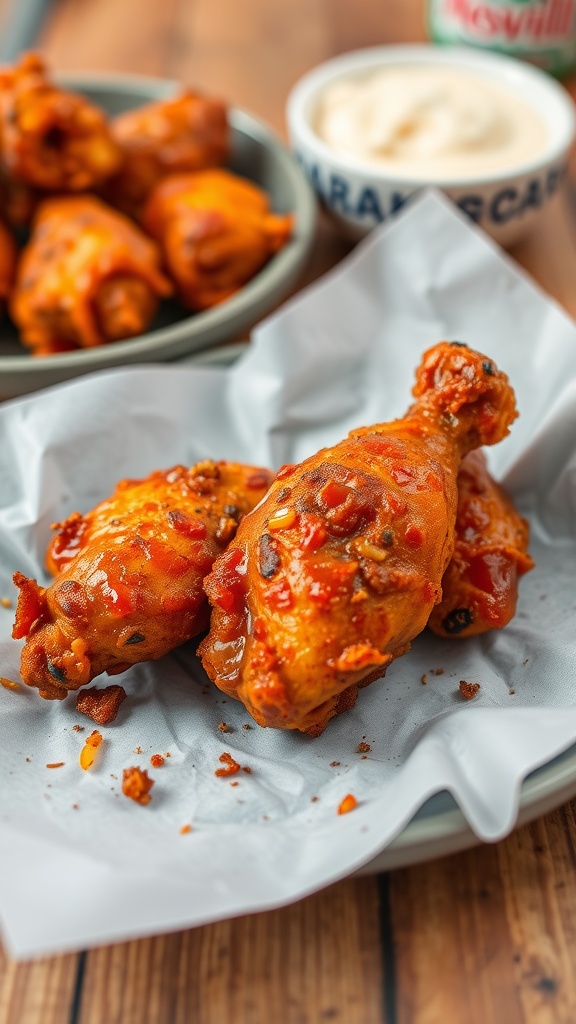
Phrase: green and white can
x=541 y=31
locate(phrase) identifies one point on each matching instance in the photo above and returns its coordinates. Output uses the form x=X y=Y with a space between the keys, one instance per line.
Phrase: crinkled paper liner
x=80 y=864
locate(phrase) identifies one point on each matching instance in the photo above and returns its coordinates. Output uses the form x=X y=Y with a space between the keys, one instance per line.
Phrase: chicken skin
x=340 y=566
x=8 y=258
x=187 y=133
x=215 y=230
x=87 y=276
x=129 y=584
x=50 y=138
x=480 y=585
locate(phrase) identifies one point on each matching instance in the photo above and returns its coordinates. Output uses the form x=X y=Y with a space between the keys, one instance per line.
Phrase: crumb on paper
x=77 y=728
x=349 y=803
x=88 y=752
x=138 y=750
x=101 y=705
x=224 y=727
x=235 y=783
x=231 y=766
x=246 y=768
x=156 y=760
x=185 y=829
x=246 y=726
x=314 y=799
x=6 y=602
x=363 y=748
x=437 y=671
x=335 y=764
x=75 y=807
x=9 y=684
x=468 y=690
x=511 y=692
x=424 y=679
x=136 y=785
x=56 y=764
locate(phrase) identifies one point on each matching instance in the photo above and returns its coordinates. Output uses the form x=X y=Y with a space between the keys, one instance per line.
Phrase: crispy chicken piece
x=88 y=276
x=8 y=258
x=216 y=231
x=50 y=138
x=187 y=133
x=338 y=569
x=129 y=583
x=480 y=585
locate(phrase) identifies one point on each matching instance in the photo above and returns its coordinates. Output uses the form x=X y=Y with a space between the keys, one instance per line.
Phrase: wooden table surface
x=484 y=936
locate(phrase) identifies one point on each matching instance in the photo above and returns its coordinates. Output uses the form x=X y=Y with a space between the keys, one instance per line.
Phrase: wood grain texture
x=39 y=992
x=318 y=960
x=492 y=929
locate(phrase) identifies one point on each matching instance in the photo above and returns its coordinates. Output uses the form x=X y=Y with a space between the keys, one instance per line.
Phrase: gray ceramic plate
x=257 y=154
x=439 y=827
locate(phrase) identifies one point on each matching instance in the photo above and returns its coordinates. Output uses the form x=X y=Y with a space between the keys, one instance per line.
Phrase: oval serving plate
x=256 y=153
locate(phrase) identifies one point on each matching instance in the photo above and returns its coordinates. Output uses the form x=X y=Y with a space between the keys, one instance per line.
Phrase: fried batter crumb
x=363 y=748
x=101 y=705
x=136 y=784
x=511 y=692
x=77 y=728
x=8 y=684
x=88 y=752
x=224 y=727
x=335 y=764
x=156 y=760
x=6 y=602
x=437 y=671
x=138 y=750
x=246 y=726
x=231 y=768
x=246 y=768
x=348 y=804
x=56 y=764
x=468 y=690
x=424 y=679
x=185 y=829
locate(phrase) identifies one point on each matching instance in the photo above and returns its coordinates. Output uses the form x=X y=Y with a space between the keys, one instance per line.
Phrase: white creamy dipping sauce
x=440 y=123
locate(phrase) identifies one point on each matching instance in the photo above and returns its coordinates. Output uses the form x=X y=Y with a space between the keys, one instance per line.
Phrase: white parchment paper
x=79 y=863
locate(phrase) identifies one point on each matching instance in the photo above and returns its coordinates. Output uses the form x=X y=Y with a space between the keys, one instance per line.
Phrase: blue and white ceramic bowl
x=360 y=195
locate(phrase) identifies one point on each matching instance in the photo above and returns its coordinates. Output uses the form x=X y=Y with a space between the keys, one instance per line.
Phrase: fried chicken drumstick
x=87 y=276
x=340 y=566
x=215 y=230
x=187 y=133
x=480 y=585
x=50 y=138
x=129 y=583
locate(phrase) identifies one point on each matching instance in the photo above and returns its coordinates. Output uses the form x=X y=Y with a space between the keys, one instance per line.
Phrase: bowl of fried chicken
x=140 y=221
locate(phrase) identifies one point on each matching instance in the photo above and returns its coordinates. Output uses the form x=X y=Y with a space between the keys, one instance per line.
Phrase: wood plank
x=38 y=992
x=316 y=960
x=488 y=936
x=105 y=35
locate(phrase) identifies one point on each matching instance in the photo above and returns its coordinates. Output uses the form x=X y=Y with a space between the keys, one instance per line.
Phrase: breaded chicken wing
x=340 y=566
x=87 y=276
x=480 y=585
x=187 y=133
x=129 y=583
x=215 y=230
x=50 y=138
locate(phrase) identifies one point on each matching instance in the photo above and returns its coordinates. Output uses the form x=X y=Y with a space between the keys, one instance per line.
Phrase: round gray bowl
x=256 y=153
